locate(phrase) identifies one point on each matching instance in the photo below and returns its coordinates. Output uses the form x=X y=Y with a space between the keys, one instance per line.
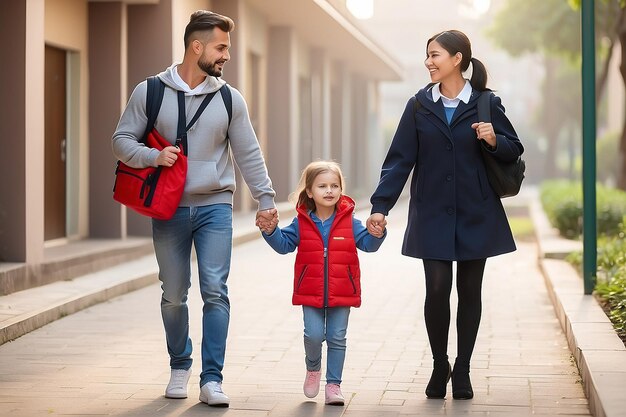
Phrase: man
x=204 y=217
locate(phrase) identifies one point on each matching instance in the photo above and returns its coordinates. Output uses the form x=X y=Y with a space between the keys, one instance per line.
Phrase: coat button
x=449 y=147
x=450 y=211
x=449 y=178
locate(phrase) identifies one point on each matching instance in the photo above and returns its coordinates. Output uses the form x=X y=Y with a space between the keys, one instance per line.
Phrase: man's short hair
x=204 y=20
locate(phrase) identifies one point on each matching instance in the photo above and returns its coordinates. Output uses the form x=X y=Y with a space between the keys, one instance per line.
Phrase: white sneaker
x=177 y=387
x=334 y=395
x=312 y=383
x=212 y=394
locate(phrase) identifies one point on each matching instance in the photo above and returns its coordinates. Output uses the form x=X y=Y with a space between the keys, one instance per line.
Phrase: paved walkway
x=110 y=359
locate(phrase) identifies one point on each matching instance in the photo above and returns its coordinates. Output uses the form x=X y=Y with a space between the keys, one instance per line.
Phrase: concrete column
x=107 y=67
x=235 y=75
x=321 y=106
x=35 y=65
x=367 y=144
x=347 y=160
x=149 y=40
x=282 y=111
x=13 y=132
x=22 y=131
x=149 y=52
x=358 y=169
x=375 y=151
x=336 y=111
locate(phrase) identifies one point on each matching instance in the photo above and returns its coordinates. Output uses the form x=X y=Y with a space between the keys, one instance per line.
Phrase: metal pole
x=589 y=145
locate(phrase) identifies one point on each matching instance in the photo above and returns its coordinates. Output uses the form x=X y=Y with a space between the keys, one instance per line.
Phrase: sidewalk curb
x=91 y=295
x=32 y=320
x=599 y=353
x=94 y=288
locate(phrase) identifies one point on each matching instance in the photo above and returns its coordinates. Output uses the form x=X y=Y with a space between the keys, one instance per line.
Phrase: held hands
x=376 y=224
x=168 y=156
x=485 y=131
x=266 y=220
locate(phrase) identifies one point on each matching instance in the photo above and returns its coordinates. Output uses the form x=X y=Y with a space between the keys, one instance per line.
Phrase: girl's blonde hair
x=300 y=197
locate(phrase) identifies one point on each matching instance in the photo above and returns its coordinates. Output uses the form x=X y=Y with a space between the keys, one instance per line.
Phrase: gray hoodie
x=210 y=174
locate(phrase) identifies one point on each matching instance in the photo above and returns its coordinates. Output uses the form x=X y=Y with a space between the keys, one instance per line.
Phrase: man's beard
x=210 y=68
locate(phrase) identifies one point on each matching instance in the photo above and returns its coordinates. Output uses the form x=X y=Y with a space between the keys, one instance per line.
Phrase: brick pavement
x=110 y=359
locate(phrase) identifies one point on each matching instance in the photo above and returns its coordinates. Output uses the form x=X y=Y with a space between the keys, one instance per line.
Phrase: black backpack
x=504 y=177
x=154 y=97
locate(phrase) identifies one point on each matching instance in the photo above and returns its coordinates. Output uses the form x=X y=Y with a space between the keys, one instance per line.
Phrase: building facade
x=309 y=75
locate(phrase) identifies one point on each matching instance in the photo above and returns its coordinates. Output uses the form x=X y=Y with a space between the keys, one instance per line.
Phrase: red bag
x=154 y=192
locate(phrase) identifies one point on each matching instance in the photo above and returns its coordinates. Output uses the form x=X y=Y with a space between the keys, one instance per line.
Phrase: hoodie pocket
x=202 y=177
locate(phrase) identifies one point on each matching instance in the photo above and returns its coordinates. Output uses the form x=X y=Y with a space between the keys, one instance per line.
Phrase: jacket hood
x=213 y=84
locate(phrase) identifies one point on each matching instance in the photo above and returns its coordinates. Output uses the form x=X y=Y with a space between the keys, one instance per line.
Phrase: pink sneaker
x=334 y=395
x=312 y=383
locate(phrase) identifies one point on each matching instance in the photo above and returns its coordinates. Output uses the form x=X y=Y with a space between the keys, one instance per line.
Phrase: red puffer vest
x=336 y=277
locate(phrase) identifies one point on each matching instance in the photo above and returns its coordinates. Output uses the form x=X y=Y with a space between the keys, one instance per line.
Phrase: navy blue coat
x=454 y=214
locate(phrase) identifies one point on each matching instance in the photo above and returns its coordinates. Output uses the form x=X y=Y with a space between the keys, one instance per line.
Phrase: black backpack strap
x=181 y=136
x=484 y=106
x=182 y=118
x=227 y=97
x=416 y=104
x=203 y=105
x=181 y=132
x=154 y=97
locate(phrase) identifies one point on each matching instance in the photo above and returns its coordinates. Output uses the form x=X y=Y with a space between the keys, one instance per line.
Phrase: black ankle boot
x=461 y=384
x=437 y=385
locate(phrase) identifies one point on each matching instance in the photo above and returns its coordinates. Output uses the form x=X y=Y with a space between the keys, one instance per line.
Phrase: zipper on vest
x=351 y=279
x=301 y=277
x=325 y=277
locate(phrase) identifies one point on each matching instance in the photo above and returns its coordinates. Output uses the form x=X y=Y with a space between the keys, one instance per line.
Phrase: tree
x=621 y=33
x=614 y=27
x=552 y=29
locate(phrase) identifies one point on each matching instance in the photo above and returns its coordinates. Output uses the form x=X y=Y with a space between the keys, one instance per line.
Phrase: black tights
x=469 y=277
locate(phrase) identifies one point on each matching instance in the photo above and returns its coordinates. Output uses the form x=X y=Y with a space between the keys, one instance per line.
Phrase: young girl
x=326 y=277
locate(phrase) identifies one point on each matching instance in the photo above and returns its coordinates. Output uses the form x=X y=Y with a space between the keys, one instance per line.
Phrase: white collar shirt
x=463 y=96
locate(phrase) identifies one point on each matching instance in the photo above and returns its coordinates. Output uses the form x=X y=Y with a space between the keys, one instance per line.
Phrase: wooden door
x=55 y=144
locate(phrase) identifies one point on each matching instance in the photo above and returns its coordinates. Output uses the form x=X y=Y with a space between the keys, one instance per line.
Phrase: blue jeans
x=330 y=324
x=210 y=230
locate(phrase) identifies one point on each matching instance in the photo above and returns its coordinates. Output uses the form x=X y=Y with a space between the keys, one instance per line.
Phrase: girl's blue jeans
x=210 y=230
x=330 y=324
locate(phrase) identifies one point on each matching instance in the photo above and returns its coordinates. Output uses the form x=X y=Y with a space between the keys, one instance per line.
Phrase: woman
x=454 y=215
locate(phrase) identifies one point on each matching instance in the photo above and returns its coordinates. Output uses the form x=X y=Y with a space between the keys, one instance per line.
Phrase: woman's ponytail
x=479 y=75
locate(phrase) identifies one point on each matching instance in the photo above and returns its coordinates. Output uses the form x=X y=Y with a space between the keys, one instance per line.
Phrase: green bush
x=611 y=277
x=562 y=202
